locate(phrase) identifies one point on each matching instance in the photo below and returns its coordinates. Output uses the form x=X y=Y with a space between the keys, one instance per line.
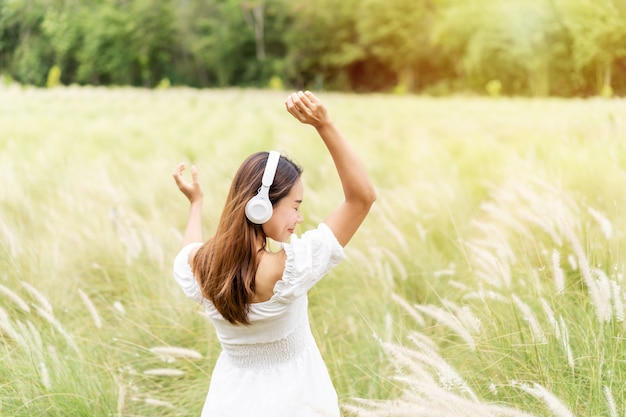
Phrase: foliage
x=534 y=47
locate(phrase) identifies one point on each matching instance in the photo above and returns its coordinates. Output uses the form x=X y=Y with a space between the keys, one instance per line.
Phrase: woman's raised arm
x=358 y=189
x=193 y=191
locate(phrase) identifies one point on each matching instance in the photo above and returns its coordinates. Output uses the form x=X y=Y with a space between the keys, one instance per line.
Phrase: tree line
x=514 y=47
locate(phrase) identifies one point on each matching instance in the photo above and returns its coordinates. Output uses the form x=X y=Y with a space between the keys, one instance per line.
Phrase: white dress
x=272 y=367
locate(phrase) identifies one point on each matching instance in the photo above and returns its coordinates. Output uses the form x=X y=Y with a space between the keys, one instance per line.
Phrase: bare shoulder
x=269 y=272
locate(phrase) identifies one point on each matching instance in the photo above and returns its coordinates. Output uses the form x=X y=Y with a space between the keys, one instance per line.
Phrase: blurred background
x=565 y=48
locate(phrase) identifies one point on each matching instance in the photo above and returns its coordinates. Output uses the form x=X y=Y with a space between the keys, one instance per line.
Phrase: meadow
x=487 y=281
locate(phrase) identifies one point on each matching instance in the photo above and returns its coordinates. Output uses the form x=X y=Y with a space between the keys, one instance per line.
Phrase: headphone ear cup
x=259 y=210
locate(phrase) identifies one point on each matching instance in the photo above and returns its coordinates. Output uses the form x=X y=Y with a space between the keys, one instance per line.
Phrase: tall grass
x=488 y=280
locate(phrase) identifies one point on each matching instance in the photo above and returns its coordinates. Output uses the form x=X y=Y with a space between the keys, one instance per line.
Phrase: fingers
x=178 y=172
x=178 y=175
x=304 y=106
x=297 y=101
x=292 y=104
x=194 y=174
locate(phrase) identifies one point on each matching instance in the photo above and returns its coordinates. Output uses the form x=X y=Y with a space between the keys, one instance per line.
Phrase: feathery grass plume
x=450 y=271
x=547 y=199
x=35 y=293
x=598 y=303
x=398 y=264
x=35 y=335
x=128 y=235
x=495 y=213
x=603 y=285
x=19 y=301
x=485 y=295
x=516 y=206
x=425 y=370
x=487 y=266
x=55 y=323
x=175 y=352
x=409 y=309
x=157 y=403
x=119 y=307
x=512 y=208
x=571 y=260
x=425 y=396
x=603 y=222
x=449 y=320
x=465 y=316
x=618 y=305
x=558 y=408
x=537 y=332
x=388 y=326
x=419 y=339
x=97 y=320
x=494 y=237
x=559 y=276
x=121 y=394
x=380 y=268
x=33 y=345
x=10 y=237
x=551 y=317
x=53 y=356
x=391 y=228
x=406 y=361
x=448 y=376
x=561 y=333
x=610 y=401
x=8 y=330
x=564 y=339
x=44 y=375
x=442 y=404
x=164 y=372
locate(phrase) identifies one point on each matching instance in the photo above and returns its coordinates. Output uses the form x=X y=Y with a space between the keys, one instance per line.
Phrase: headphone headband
x=270 y=169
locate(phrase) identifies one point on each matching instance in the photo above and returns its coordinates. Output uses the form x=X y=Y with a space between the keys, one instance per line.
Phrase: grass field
x=488 y=279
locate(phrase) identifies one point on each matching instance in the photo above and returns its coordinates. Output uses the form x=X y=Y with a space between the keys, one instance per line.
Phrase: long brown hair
x=225 y=265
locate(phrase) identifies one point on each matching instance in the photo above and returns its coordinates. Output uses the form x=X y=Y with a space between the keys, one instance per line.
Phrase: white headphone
x=259 y=208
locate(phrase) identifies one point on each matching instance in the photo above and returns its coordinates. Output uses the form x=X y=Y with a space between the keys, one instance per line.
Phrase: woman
x=270 y=365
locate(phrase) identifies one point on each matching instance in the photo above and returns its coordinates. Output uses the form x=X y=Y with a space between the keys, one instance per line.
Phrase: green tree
x=397 y=32
x=323 y=46
x=598 y=29
x=231 y=42
x=107 y=51
x=125 y=42
x=63 y=31
x=153 y=36
x=24 y=51
x=519 y=42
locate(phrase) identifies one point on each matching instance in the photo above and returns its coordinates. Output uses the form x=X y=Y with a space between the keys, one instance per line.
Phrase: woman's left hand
x=307 y=108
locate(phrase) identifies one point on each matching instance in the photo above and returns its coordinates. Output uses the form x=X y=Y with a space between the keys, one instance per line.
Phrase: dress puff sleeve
x=309 y=258
x=183 y=274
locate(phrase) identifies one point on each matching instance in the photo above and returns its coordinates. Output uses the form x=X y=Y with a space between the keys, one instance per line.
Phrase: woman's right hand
x=192 y=190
